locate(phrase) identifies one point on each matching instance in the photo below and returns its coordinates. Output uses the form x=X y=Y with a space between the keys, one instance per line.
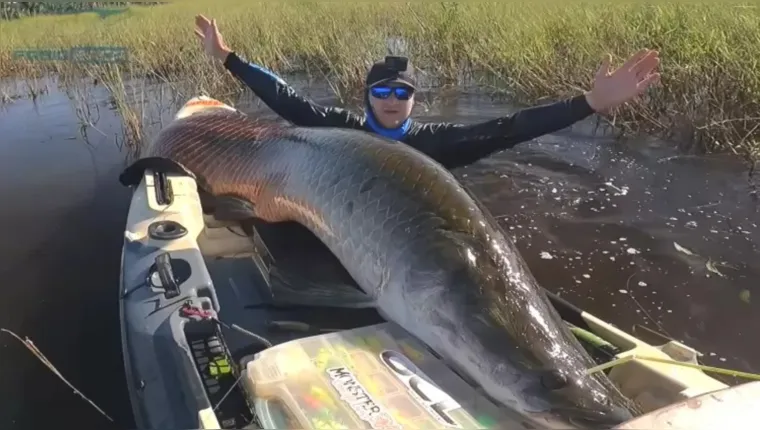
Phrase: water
x=59 y=258
x=598 y=222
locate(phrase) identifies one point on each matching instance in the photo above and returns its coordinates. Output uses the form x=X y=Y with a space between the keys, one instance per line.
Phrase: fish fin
x=232 y=208
x=133 y=174
x=288 y=288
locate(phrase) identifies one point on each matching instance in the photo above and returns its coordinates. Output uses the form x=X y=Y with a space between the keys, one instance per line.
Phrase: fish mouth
x=594 y=420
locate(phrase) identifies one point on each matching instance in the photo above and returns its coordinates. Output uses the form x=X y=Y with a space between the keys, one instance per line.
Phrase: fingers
x=604 y=69
x=648 y=81
x=646 y=65
x=635 y=58
x=202 y=21
x=200 y=34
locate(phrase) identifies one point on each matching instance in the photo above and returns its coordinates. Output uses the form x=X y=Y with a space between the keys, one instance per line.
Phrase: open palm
x=211 y=39
x=613 y=88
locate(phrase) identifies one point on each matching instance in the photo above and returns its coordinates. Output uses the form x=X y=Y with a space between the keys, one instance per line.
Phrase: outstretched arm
x=269 y=87
x=283 y=99
x=456 y=145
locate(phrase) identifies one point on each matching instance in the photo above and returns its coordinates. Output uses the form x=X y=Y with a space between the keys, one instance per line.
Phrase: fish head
x=555 y=399
x=586 y=401
x=539 y=367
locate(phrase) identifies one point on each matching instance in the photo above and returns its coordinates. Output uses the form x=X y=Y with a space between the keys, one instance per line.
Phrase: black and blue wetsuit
x=452 y=145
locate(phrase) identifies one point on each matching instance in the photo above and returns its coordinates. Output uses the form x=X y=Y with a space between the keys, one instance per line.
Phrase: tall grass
x=709 y=94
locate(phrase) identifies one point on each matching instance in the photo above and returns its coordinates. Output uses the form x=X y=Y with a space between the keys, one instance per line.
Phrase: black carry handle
x=166 y=274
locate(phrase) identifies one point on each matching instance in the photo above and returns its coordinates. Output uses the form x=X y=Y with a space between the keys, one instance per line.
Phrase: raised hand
x=613 y=88
x=211 y=40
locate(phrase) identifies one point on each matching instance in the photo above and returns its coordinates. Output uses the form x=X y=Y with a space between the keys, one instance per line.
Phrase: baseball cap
x=391 y=70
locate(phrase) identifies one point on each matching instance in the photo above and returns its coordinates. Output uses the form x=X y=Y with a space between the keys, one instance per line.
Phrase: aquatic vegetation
x=710 y=92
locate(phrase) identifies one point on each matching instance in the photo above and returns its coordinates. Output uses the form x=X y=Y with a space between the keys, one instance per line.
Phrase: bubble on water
x=691 y=224
x=642 y=284
x=622 y=239
x=619 y=191
x=546 y=256
x=587 y=276
x=623 y=291
x=632 y=251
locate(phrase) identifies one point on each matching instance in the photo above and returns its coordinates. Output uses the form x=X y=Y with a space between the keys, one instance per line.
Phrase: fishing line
x=40 y=356
x=718 y=370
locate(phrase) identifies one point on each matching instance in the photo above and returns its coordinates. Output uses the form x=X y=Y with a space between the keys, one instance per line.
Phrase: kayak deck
x=179 y=267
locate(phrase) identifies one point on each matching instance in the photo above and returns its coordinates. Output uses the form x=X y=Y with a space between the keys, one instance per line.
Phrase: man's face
x=391 y=103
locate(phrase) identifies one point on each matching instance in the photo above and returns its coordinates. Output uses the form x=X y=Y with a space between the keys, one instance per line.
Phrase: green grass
x=709 y=95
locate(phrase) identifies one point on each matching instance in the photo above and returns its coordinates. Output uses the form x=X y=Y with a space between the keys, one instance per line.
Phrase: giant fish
x=426 y=251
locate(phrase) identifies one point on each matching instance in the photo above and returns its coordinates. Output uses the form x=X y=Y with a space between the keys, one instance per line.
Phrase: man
x=389 y=96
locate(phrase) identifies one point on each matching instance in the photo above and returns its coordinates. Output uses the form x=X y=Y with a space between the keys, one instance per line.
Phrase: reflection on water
x=630 y=232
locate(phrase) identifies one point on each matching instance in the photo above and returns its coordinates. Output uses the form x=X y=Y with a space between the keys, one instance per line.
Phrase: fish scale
x=417 y=242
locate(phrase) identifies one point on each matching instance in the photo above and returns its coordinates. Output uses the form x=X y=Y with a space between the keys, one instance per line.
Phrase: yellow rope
x=718 y=370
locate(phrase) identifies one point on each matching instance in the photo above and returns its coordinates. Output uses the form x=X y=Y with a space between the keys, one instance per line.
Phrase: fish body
x=420 y=244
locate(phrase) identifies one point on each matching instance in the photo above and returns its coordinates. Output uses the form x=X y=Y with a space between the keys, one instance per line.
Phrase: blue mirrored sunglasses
x=383 y=92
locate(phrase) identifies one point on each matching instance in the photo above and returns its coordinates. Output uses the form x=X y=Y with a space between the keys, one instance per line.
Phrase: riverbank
x=710 y=92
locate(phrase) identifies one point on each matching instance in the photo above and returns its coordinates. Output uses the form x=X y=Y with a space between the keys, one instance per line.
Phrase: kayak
x=213 y=335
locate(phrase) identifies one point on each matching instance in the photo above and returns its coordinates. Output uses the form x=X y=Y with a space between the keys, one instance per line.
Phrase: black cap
x=392 y=69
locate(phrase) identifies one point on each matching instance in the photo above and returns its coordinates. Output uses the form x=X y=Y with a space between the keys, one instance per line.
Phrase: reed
x=709 y=95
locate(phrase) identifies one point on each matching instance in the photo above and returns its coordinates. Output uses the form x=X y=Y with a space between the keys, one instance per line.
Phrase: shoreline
x=709 y=94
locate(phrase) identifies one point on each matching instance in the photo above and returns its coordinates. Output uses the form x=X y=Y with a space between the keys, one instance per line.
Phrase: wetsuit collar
x=391 y=133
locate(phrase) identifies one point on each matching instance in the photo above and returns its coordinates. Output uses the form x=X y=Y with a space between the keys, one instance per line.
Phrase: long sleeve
x=456 y=145
x=283 y=99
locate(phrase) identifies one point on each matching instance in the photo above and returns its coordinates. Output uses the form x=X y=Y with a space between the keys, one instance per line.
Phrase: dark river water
x=629 y=231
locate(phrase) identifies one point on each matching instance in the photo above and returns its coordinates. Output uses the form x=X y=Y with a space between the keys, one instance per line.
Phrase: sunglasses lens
x=402 y=93
x=380 y=92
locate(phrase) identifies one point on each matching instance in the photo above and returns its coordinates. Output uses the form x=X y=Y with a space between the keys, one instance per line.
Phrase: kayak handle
x=166 y=275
